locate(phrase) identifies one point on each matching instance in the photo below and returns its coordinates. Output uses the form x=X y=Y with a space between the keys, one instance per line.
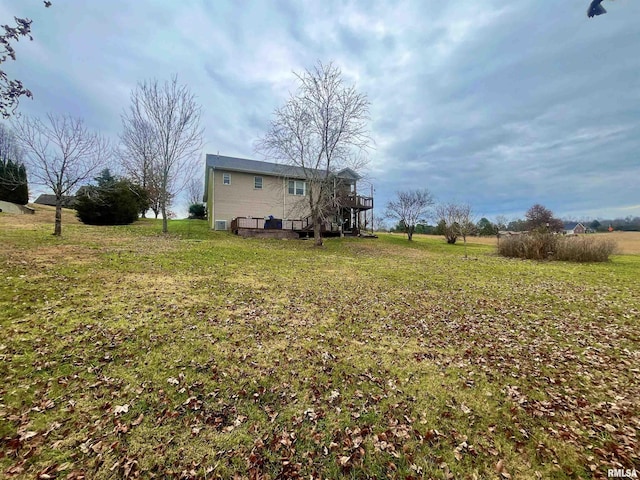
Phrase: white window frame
x=255 y=183
x=226 y=179
x=294 y=186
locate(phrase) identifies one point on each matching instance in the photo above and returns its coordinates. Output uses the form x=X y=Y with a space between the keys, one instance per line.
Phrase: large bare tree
x=162 y=136
x=410 y=207
x=60 y=152
x=322 y=129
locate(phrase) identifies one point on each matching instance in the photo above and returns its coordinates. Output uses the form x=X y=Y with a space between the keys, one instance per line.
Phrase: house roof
x=572 y=225
x=235 y=164
x=50 y=199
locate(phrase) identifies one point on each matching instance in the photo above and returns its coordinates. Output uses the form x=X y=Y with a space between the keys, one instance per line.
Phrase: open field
x=628 y=242
x=126 y=353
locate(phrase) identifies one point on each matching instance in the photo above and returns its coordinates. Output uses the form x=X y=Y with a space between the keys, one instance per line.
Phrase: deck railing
x=296 y=225
x=355 y=201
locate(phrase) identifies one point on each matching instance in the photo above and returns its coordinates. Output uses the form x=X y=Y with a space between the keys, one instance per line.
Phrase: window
x=257 y=183
x=297 y=187
x=226 y=179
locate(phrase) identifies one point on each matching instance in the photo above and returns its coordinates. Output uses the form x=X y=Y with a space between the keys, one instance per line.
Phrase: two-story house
x=243 y=193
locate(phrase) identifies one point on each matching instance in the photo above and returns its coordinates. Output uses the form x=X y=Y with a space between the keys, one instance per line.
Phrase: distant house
x=48 y=199
x=574 y=228
x=243 y=194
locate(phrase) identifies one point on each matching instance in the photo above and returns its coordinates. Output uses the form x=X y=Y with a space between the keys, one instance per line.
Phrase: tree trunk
x=317 y=231
x=57 y=229
x=410 y=234
x=165 y=225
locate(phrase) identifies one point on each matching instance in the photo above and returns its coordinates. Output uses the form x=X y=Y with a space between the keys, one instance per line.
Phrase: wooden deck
x=355 y=201
x=304 y=226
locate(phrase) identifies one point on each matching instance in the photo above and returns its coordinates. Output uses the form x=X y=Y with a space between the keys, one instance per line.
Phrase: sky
x=498 y=104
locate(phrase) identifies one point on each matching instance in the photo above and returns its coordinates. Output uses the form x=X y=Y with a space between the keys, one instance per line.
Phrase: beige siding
x=242 y=199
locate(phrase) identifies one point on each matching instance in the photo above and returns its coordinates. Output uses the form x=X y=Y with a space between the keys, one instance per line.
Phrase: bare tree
x=410 y=208
x=161 y=131
x=501 y=222
x=321 y=129
x=457 y=220
x=60 y=153
x=195 y=191
x=466 y=224
x=138 y=154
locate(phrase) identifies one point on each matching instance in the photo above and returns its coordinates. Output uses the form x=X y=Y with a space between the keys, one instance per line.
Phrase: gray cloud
x=502 y=105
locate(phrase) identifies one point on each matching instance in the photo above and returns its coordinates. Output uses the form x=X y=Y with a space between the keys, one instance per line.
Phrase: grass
x=203 y=355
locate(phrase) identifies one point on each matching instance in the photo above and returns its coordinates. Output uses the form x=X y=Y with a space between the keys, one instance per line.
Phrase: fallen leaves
x=119 y=409
x=495 y=371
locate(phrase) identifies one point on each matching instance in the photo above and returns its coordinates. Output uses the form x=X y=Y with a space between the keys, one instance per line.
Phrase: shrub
x=584 y=249
x=533 y=246
x=547 y=246
x=198 y=210
x=113 y=202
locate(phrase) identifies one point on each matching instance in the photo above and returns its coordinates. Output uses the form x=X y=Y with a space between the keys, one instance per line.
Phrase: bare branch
x=457 y=220
x=60 y=153
x=410 y=208
x=161 y=140
x=195 y=191
x=321 y=129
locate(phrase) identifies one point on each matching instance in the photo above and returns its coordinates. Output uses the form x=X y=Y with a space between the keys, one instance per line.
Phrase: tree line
x=414 y=211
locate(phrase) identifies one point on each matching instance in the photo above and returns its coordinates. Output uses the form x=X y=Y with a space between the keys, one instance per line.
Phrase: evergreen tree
x=13 y=174
x=112 y=201
x=198 y=211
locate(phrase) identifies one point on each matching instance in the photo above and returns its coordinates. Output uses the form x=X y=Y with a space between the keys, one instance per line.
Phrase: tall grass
x=533 y=246
x=545 y=246
x=584 y=249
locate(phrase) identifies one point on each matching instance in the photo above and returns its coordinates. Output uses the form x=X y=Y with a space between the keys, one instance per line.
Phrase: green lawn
x=203 y=355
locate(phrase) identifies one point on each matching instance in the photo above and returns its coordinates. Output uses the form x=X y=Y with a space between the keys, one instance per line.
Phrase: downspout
x=212 y=182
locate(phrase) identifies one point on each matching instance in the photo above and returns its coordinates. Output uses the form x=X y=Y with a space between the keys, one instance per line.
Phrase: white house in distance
x=242 y=193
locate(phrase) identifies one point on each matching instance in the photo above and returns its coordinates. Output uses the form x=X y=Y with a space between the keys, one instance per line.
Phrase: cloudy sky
x=501 y=104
